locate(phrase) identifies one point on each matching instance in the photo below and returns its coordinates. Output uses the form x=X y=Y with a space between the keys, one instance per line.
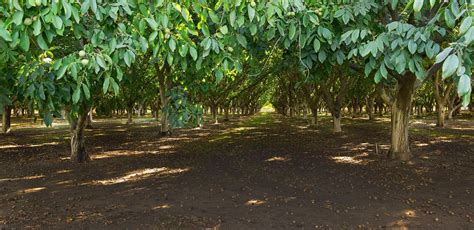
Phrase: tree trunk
x=440 y=115
x=336 y=119
x=6 y=119
x=400 y=146
x=214 y=114
x=89 y=121
x=78 y=148
x=129 y=116
x=164 y=128
x=369 y=107
x=226 y=114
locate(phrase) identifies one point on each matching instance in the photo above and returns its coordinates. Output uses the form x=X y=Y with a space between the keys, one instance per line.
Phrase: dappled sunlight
x=30 y=190
x=163 y=206
x=63 y=171
x=282 y=159
x=22 y=178
x=28 y=145
x=141 y=174
x=255 y=202
x=355 y=160
x=116 y=153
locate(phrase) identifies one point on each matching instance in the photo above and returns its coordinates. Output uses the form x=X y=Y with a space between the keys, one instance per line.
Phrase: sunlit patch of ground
x=255 y=202
x=141 y=175
x=282 y=159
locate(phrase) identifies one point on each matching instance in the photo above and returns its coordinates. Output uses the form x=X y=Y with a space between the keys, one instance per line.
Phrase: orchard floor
x=258 y=172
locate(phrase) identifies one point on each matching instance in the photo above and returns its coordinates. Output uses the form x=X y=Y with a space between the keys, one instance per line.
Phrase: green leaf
x=25 y=41
x=183 y=50
x=193 y=53
x=224 y=30
x=253 y=29
x=449 y=18
x=76 y=95
x=292 y=31
x=432 y=3
x=251 y=12
x=143 y=44
x=172 y=44
x=101 y=62
x=62 y=71
x=466 y=99
x=115 y=86
x=465 y=25
x=441 y=56
x=464 y=85
x=469 y=36
x=316 y=45
x=86 y=91
x=242 y=40
x=450 y=65
x=41 y=42
x=232 y=18
x=417 y=5
x=18 y=18
x=219 y=75
x=37 y=27
x=5 y=34
x=152 y=23
x=105 y=86
x=412 y=46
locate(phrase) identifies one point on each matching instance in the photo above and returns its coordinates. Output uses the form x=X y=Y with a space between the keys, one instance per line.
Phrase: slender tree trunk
x=89 y=121
x=400 y=146
x=226 y=114
x=164 y=101
x=78 y=148
x=6 y=119
x=369 y=107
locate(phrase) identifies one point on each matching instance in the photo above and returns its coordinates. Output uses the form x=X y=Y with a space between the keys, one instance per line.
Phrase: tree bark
x=78 y=148
x=6 y=119
x=89 y=120
x=164 y=128
x=337 y=123
x=400 y=146
x=129 y=115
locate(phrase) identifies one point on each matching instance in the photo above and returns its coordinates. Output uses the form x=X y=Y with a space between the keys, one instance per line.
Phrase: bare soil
x=258 y=172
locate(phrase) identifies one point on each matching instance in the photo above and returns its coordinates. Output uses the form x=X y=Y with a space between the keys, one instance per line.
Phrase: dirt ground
x=258 y=172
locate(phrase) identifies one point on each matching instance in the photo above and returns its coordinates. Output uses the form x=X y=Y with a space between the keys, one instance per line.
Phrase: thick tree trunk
x=6 y=119
x=440 y=115
x=78 y=148
x=129 y=116
x=336 y=119
x=400 y=146
x=214 y=114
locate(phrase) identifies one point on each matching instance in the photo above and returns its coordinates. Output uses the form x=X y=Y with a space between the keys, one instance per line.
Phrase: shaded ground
x=260 y=172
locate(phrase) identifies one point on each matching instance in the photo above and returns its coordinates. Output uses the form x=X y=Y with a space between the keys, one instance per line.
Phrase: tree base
x=399 y=156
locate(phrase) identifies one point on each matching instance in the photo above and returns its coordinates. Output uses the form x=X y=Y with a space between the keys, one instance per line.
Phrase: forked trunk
x=78 y=148
x=6 y=119
x=400 y=146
